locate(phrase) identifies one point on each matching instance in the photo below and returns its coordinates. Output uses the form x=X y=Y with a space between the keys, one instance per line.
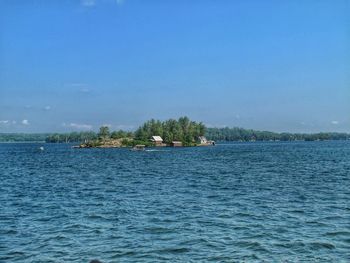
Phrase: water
x=240 y=202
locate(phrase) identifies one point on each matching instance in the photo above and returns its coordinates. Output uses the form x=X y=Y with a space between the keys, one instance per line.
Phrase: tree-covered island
x=182 y=132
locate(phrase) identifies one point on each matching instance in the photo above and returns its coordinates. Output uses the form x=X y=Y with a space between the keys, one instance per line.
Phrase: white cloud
x=78 y=126
x=79 y=86
x=88 y=3
x=335 y=122
x=85 y=90
x=120 y=2
x=4 y=122
x=47 y=108
x=14 y=122
x=25 y=122
x=107 y=125
x=76 y=84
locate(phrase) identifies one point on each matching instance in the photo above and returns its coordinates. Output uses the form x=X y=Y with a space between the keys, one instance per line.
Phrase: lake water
x=239 y=202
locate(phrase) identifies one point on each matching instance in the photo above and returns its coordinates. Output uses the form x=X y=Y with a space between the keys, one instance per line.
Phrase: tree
x=104 y=133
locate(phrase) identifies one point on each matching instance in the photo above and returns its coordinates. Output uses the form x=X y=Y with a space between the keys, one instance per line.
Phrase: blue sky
x=267 y=65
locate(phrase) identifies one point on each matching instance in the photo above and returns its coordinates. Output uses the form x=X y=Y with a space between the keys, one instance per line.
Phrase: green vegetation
x=183 y=130
x=71 y=137
x=121 y=134
x=23 y=137
x=240 y=134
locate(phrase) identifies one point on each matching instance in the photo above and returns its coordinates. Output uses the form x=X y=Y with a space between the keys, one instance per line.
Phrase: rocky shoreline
x=129 y=143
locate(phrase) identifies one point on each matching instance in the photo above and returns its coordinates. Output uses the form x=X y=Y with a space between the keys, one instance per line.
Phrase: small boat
x=41 y=148
x=138 y=147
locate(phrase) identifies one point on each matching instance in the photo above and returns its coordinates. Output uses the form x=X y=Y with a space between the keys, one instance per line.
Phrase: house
x=202 y=140
x=157 y=140
x=176 y=144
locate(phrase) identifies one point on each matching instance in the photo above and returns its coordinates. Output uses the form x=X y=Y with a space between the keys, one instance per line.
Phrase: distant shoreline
x=217 y=142
x=182 y=130
x=22 y=142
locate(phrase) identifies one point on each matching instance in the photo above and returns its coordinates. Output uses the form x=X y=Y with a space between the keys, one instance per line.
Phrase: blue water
x=239 y=202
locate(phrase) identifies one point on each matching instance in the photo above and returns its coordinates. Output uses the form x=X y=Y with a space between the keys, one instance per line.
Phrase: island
x=153 y=133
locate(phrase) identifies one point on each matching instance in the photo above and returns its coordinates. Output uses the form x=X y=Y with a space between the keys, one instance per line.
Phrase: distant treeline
x=240 y=134
x=182 y=130
x=23 y=137
x=71 y=137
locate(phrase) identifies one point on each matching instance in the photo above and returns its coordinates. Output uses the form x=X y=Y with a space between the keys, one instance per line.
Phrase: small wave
x=346 y=240
x=242 y=214
x=8 y=232
x=338 y=233
x=297 y=211
x=320 y=245
x=15 y=253
x=123 y=254
x=158 y=230
x=94 y=216
x=153 y=150
x=171 y=250
x=254 y=245
x=316 y=223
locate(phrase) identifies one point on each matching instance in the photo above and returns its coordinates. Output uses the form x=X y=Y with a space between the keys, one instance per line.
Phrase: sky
x=269 y=65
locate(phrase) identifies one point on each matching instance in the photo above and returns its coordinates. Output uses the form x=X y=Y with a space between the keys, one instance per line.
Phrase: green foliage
x=23 y=137
x=240 y=134
x=182 y=130
x=71 y=137
x=104 y=133
x=121 y=134
x=93 y=143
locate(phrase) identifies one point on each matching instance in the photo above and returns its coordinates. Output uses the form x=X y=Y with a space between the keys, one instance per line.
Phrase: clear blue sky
x=267 y=65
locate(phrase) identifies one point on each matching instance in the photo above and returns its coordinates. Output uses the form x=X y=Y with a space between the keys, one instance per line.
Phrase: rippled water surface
x=240 y=202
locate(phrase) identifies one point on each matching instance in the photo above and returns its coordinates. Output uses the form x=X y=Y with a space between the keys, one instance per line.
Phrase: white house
x=202 y=140
x=157 y=140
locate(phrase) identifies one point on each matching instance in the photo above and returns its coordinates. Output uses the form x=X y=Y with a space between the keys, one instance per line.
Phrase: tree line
x=182 y=129
x=23 y=137
x=240 y=134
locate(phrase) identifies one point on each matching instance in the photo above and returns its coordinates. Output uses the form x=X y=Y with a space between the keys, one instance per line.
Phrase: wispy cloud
x=75 y=84
x=78 y=86
x=335 y=122
x=91 y=3
x=8 y=122
x=84 y=90
x=47 y=108
x=88 y=3
x=120 y=2
x=78 y=126
x=25 y=122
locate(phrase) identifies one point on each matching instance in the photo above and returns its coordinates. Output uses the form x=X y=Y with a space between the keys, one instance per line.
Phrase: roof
x=157 y=138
